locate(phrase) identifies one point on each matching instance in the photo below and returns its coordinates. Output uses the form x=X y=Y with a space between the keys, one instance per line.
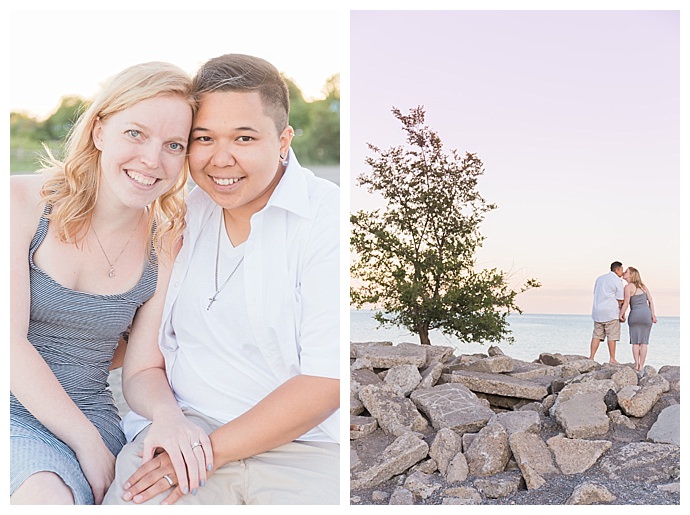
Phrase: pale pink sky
x=575 y=115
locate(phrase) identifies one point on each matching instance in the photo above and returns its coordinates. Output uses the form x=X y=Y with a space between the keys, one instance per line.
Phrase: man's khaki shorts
x=610 y=330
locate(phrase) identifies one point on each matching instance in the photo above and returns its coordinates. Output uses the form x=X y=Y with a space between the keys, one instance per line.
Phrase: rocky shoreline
x=429 y=427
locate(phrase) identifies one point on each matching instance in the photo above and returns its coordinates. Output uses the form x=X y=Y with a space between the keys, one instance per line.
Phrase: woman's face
x=143 y=149
x=626 y=274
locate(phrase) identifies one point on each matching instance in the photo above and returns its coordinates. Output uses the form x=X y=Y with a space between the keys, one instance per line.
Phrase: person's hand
x=188 y=457
x=98 y=465
x=151 y=479
x=654 y=319
x=622 y=317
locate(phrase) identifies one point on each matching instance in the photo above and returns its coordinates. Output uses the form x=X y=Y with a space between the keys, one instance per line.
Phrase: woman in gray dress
x=88 y=237
x=638 y=297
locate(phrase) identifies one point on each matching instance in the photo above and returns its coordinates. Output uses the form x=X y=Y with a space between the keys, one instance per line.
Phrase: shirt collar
x=291 y=193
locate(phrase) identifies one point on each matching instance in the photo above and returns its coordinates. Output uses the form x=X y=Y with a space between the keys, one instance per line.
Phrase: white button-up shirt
x=608 y=290
x=291 y=281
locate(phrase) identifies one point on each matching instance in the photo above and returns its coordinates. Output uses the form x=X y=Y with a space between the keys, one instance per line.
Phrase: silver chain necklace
x=111 y=264
x=218 y=290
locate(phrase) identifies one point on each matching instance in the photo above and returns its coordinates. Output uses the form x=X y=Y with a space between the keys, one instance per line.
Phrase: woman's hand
x=151 y=479
x=187 y=458
x=98 y=465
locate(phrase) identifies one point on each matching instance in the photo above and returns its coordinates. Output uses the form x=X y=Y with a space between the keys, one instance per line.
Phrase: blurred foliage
x=316 y=124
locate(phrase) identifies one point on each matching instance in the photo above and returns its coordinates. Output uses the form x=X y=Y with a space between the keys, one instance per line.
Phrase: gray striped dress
x=76 y=333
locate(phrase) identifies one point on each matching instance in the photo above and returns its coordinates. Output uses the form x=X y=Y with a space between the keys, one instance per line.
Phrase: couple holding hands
x=221 y=305
x=611 y=302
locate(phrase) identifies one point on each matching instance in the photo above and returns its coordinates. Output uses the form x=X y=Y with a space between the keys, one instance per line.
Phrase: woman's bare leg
x=43 y=488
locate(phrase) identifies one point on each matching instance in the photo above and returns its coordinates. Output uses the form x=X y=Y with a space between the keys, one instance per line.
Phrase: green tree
x=316 y=124
x=58 y=124
x=415 y=259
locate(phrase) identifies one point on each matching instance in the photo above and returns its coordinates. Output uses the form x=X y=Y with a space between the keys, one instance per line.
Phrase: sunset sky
x=575 y=115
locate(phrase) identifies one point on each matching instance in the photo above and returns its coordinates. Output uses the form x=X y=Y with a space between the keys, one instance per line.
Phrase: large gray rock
x=518 y=421
x=533 y=458
x=431 y=375
x=445 y=446
x=453 y=406
x=644 y=462
x=395 y=414
x=389 y=356
x=582 y=416
x=401 y=496
x=580 y=407
x=489 y=452
x=491 y=365
x=434 y=353
x=498 y=384
x=590 y=493
x=666 y=429
x=404 y=452
x=464 y=495
x=672 y=375
x=500 y=485
x=422 y=485
x=574 y=455
x=637 y=401
x=458 y=469
x=403 y=378
x=358 y=378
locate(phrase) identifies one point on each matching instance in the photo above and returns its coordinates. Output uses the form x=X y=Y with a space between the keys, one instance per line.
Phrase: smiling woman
x=87 y=228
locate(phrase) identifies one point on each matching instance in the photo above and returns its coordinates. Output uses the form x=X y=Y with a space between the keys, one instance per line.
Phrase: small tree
x=415 y=259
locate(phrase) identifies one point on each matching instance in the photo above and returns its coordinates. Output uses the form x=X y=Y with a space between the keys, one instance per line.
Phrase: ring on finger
x=168 y=479
x=196 y=444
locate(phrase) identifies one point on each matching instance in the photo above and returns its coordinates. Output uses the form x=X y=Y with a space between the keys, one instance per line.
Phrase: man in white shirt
x=250 y=337
x=608 y=298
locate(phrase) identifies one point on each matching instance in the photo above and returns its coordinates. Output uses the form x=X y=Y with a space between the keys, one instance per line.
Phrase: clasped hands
x=178 y=459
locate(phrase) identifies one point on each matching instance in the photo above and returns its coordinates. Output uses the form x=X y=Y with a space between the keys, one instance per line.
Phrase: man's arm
x=292 y=409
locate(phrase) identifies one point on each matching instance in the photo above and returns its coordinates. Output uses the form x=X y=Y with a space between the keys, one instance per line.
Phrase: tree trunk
x=423 y=331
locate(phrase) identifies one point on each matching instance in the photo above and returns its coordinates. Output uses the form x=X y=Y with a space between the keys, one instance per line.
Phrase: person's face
x=143 y=148
x=235 y=150
x=626 y=274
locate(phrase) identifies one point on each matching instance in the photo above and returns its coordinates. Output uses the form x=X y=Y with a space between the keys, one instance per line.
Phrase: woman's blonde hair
x=635 y=278
x=72 y=187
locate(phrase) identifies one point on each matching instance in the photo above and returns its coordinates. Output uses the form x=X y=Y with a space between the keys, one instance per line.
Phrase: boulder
x=453 y=406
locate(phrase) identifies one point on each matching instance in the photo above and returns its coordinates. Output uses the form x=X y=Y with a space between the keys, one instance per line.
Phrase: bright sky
x=575 y=115
x=71 y=50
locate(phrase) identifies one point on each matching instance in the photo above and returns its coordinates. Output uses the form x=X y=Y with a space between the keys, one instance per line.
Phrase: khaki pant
x=295 y=473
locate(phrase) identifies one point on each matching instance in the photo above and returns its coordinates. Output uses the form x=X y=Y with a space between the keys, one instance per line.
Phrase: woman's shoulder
x=25 y=196
x=25 y=189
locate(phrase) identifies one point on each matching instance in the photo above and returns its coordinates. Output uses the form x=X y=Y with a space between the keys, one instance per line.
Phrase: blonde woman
x=88 y=240
x=642 y=315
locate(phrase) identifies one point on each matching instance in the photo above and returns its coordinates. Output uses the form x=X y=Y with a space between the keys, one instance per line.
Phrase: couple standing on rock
x=611 y=302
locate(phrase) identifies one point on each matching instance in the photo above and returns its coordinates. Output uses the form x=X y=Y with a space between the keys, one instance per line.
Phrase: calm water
x=534 y=334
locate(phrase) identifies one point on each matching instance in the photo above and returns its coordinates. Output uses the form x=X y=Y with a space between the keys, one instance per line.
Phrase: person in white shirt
x=608 y=299
x=237 y=402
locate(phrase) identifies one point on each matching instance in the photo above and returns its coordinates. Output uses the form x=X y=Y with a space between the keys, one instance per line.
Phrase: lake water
x=534 y=334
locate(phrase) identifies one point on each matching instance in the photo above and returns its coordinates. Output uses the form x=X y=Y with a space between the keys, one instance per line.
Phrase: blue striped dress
x=76 y=333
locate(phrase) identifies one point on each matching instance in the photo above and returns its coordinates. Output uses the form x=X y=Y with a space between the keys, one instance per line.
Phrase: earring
x=284 y=160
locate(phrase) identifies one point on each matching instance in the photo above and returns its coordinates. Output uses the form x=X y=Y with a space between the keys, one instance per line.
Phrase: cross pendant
x=212 y=299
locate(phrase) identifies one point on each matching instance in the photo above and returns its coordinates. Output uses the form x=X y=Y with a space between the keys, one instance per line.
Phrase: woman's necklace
x=218 y=290
x=111 y=264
